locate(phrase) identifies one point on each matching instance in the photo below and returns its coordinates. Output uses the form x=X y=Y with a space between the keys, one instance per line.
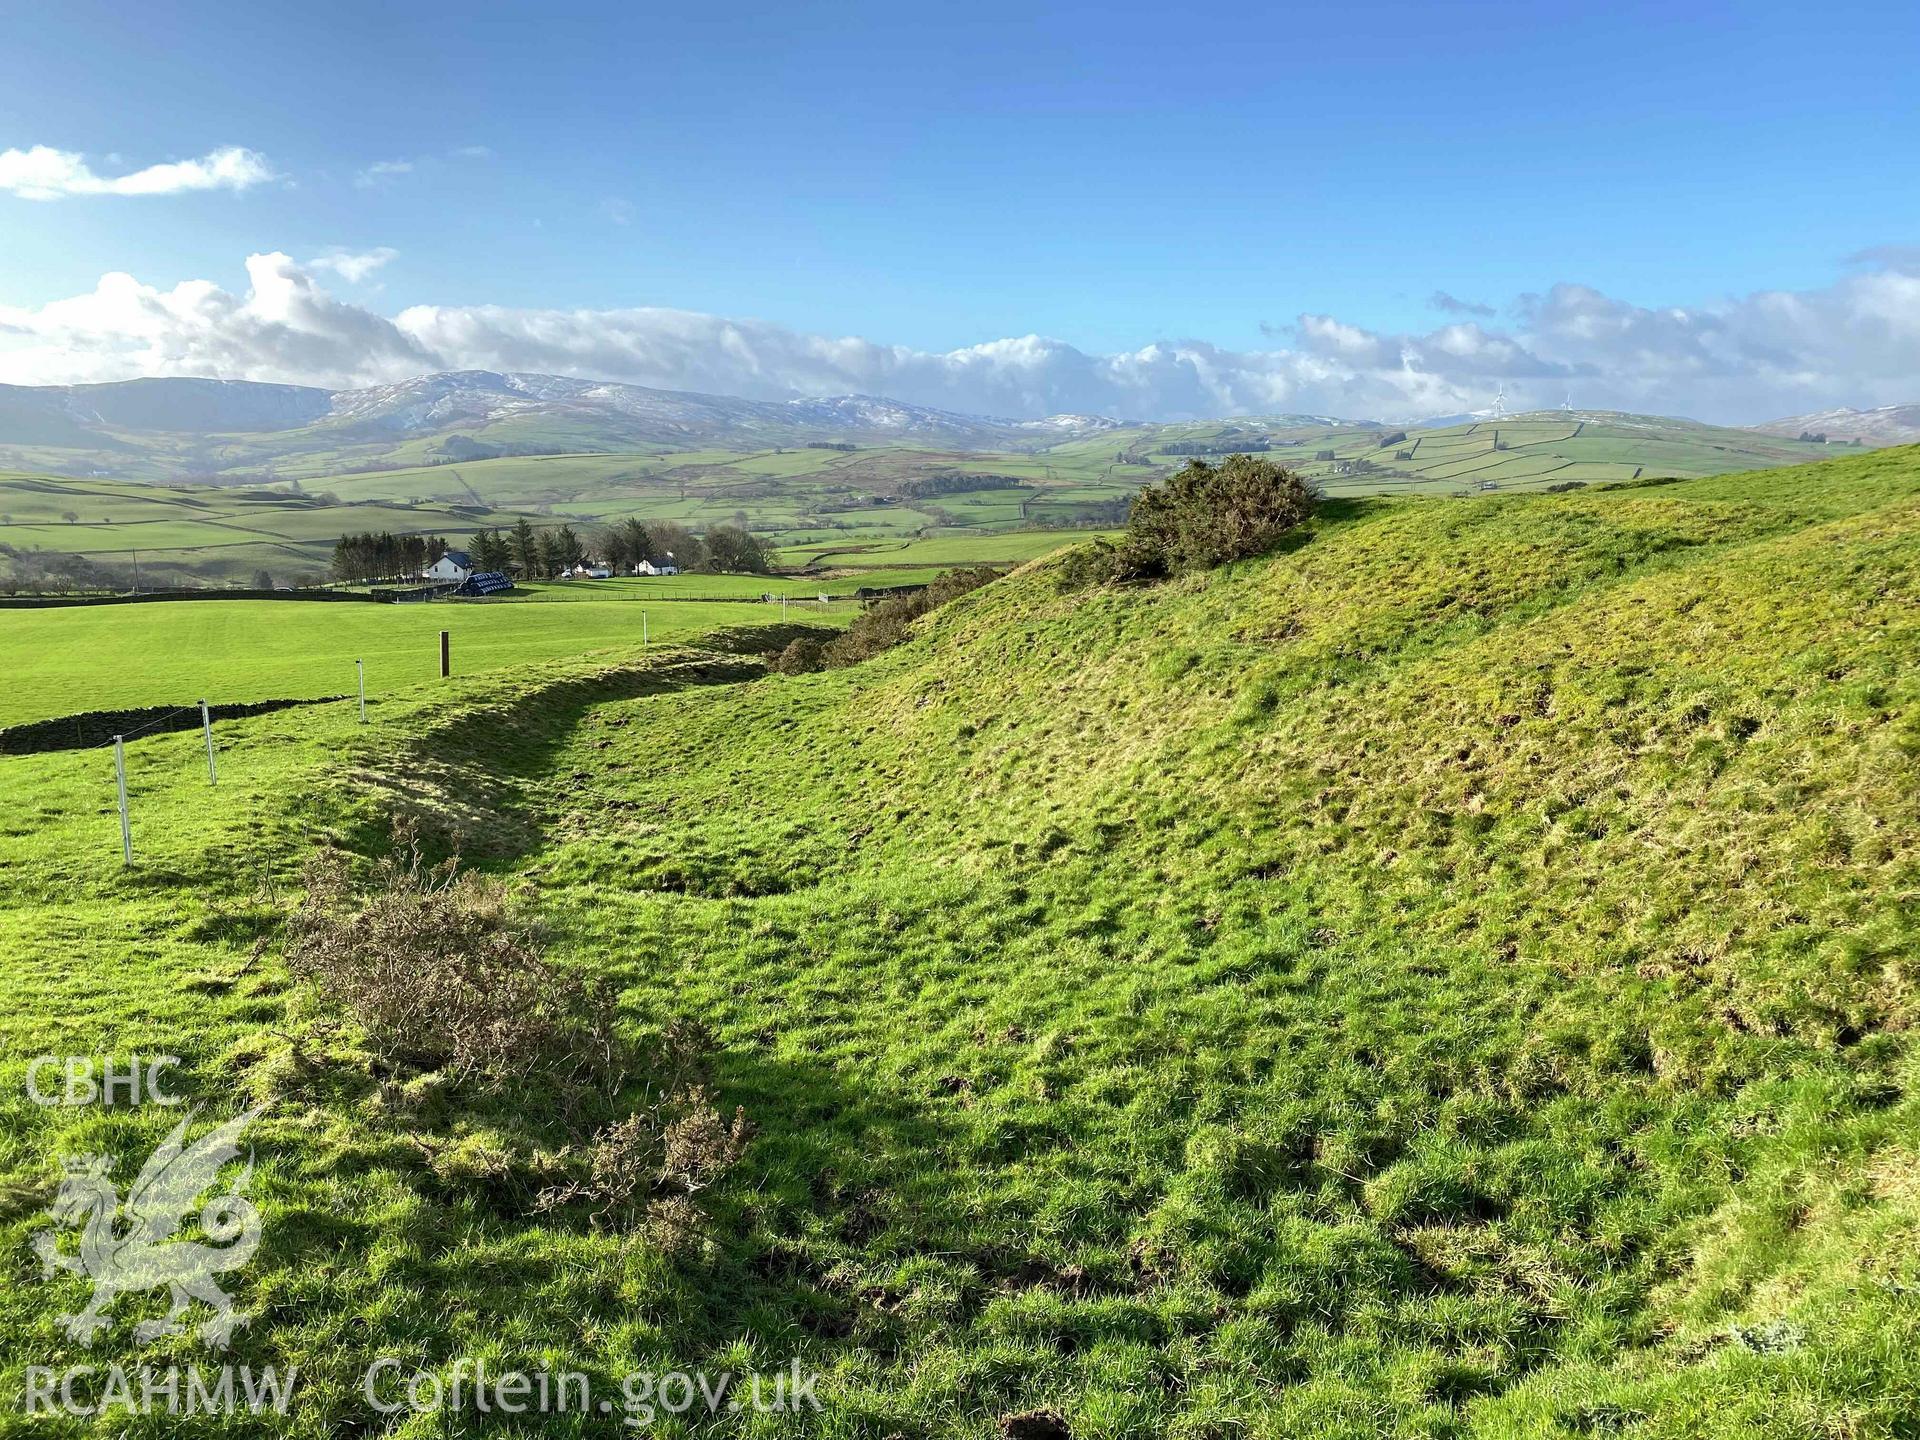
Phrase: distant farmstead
x=455 y=565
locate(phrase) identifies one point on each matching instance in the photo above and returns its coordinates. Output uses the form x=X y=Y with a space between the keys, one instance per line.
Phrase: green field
x=838 y=582
x=226 y=534
x=1006 y=548
x=1523 y=452
x=853 y=505
x=110 y=657
x=223 y=534
x=1454 y=977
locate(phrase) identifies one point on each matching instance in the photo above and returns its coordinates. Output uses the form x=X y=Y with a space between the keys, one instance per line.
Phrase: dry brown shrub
x=439 y=973
x=651 y=1167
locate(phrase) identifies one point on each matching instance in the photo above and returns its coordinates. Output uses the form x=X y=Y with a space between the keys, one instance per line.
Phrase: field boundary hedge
x=55 y=602
x=96 y=727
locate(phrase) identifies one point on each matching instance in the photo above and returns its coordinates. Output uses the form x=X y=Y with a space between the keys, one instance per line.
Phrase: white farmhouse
x=455 y=565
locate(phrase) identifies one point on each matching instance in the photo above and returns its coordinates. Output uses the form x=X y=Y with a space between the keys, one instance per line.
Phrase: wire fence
x=54 y=734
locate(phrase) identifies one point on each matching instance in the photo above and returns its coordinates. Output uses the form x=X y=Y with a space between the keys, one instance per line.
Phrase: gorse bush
x=1205 y=515
x=885 y=625
x=1201 y=516
x=435 y=969
x=801 y=656
x=880 y=627
x=1094 y=563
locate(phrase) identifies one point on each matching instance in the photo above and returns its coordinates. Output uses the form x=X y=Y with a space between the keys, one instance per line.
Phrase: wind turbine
x=1500 y=402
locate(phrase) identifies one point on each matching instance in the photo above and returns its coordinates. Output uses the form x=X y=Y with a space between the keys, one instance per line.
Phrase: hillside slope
x=1453 y=977
x=1884 y=425
x=1534 y=451
x=173 y=428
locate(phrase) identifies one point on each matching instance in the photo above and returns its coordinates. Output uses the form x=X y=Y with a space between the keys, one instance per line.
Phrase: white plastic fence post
x=206 y=725
x=120 y=778
x=361 y=666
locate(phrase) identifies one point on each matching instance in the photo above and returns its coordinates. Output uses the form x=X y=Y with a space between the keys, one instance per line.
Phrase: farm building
x=455 y=565
x=647 y=567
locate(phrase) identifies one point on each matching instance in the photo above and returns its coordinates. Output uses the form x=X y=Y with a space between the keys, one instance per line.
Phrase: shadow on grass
x=471 y=780
x=835 y=1177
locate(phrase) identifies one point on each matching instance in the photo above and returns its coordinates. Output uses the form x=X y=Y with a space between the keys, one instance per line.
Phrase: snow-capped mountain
x=477 y=398
x=1887 y=425
x=477 y=412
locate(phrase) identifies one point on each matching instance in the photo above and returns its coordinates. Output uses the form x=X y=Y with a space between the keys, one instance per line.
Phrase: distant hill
x=1533 y=451
x=238 y=433
x=188 y=428
x=76 y=412
x=1888 y=425
x=846 y=477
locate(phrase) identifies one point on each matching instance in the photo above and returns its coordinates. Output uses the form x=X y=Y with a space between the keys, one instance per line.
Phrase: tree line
x=382 y=555
x=525 y=552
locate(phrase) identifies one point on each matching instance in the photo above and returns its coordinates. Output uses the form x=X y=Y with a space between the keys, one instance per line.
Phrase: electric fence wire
x=157 y=720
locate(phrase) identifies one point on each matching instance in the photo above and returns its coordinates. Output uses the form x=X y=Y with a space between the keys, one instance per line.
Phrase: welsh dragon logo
x=130 y=1246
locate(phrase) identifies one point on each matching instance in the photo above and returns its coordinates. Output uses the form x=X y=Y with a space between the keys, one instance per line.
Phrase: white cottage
x=455 y=565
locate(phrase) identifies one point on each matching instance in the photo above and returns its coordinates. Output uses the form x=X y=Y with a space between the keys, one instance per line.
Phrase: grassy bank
x=1454 y=977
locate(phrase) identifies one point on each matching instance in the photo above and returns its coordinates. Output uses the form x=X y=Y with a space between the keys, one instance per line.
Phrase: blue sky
x=939 y=177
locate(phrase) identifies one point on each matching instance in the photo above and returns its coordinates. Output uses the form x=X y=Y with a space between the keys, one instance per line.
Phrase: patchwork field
x=174 y=535
x=1008 y=548
x=1524 y=452
x=1453 y=978
x=819 y=500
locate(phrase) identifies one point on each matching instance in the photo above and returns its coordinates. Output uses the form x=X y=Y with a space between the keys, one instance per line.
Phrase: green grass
x=1454 y=977
x=111 y=657
x=836 y=582
x=952 y=548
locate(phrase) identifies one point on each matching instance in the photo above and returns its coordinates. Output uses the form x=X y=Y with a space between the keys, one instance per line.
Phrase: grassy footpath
x=1453 y=978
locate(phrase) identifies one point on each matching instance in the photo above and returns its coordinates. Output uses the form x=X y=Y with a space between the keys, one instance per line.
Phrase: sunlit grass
x=1452 y=978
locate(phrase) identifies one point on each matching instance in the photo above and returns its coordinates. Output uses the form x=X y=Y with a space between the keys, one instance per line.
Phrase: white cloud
x=44 y=173
x=353 y=266
x=1855 y=342
x=285 y=328
x=1453 y=305
x=382 y=171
